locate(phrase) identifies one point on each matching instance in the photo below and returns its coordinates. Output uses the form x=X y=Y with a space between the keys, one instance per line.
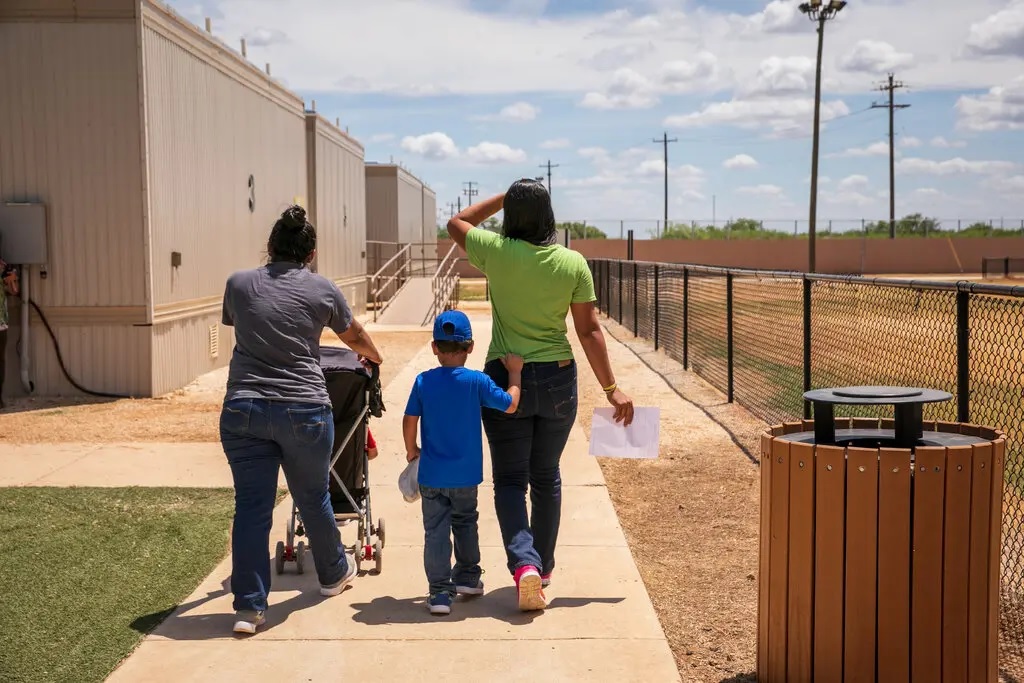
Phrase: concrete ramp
x=411 y=306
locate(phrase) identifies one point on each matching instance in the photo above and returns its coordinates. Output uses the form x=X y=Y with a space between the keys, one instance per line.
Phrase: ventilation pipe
x=26 y=301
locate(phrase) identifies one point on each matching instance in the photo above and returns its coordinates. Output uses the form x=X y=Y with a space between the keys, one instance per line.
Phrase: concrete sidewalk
x=600 y=625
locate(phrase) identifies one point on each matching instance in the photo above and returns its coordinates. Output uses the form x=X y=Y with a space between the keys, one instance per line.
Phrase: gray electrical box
x=23 y=233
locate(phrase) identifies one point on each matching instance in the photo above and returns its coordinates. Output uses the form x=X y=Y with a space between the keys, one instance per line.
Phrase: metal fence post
x=608 y=288
x=807 y=344
x=620 y=292
x=656 y=307
x=730 y=384
x=636 y=305
x=963 y=357
x=686 y=318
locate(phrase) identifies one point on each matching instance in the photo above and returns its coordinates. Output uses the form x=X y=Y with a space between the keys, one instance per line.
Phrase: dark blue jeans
x=259 y=436
x=526 y=449
x=449 y=513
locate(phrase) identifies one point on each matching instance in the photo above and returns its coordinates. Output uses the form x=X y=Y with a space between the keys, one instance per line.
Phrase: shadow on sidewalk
x=178 y=624
x=499 y=604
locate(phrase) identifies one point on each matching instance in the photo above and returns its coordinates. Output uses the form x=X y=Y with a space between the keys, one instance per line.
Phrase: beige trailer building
x=397 y=208
x=162 y=158
x=337 y=206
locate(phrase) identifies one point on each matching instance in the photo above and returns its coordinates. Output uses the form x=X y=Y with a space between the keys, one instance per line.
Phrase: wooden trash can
x=880 y=564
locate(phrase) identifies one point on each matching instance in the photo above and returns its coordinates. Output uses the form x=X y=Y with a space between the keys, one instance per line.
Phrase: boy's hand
x=513 y=363
x=413 y=454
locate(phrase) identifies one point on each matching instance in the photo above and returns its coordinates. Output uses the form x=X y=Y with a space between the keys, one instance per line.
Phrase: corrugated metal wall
x=381 y=203
x=213 y=120
x=410 y=208
x=337 y=200
x=72 y=140
x=429 y=238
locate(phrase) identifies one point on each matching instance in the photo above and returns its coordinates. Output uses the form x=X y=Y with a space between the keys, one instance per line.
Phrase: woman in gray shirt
x=277 y=412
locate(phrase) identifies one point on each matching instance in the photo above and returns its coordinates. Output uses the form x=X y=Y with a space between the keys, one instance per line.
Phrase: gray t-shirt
x=279 y=312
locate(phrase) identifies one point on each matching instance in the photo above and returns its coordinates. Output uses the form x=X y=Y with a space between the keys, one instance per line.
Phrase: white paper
x=609 y=439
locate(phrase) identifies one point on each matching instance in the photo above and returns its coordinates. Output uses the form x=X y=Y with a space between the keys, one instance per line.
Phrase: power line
x=891 y=87
x=470 y=192
x=549 y=166
x=664 y=141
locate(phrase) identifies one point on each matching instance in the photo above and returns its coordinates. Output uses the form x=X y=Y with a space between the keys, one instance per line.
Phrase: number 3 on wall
x=252 y=194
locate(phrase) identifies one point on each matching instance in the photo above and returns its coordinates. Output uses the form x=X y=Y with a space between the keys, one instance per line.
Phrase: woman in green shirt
x=535 y=283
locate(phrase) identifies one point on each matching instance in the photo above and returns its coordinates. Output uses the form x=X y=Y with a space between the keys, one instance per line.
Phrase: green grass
x=86 y=572
x=472 y=291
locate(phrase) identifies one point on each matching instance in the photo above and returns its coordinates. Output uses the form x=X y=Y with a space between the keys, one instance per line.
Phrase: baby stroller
x=355 y=394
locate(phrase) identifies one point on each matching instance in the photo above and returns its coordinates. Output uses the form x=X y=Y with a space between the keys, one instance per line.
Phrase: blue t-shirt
x=448 y=403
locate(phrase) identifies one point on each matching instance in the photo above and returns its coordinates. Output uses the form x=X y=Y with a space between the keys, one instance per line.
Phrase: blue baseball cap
x=452 y=326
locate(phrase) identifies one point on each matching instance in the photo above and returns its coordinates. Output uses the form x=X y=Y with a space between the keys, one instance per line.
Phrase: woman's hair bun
x=294 y=218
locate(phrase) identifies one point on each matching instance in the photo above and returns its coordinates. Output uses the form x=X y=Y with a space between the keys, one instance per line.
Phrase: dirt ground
x=690 y=517
x=189 y=415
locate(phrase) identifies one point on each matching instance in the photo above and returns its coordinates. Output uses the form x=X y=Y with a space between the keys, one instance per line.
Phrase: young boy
x=448 y=399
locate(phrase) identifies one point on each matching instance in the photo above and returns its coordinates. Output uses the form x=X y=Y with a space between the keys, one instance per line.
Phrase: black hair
x=528 y=213
x=452 y=346
x=293 y=238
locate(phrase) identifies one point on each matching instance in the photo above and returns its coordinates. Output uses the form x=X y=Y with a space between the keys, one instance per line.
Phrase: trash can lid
x=877 y=392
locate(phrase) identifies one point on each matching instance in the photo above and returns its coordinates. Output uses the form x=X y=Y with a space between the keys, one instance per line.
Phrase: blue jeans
x=259 y=436
x=526 y=449
x=449 y=513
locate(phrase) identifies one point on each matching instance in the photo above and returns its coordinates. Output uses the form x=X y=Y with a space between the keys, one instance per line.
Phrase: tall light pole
x=820 y=12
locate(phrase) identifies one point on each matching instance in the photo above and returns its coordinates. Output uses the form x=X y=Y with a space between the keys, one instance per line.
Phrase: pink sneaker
x=531 y=589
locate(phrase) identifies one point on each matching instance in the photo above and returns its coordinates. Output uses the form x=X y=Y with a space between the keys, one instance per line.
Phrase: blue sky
x=488 y=90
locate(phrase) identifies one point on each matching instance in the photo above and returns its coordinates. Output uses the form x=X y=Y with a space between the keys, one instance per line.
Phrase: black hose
x=60 y=360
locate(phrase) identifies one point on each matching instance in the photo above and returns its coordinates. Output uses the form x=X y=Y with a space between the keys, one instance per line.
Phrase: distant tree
x=492 y=224
x=442 y=232
x=582 y=231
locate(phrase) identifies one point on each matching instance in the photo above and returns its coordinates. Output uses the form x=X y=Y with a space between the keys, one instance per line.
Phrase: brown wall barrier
x=834 y=256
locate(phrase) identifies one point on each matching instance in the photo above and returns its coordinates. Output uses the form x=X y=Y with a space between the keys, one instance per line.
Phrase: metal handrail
x=445 y=282
x=377 y=286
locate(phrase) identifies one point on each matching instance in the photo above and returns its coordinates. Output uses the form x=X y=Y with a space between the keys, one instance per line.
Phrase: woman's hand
x=623 y=407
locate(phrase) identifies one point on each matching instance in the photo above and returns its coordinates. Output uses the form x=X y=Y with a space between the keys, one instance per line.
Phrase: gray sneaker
x=337 y=588
x=248 y=620
x=478 y=589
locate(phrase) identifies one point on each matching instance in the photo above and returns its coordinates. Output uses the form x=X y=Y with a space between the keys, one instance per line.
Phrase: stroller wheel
x=378 y=556
x=300 y=557
x=380 y=532
x=279 y=557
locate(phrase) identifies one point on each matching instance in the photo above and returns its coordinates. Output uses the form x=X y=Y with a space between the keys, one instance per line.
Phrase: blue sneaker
x=440 y=604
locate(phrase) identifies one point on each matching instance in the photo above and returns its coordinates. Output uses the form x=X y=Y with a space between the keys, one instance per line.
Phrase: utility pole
x=470 y=192
x=451 y=210
x=664 y=141
x=549 y=166
x=891 y=87
x=458 y=204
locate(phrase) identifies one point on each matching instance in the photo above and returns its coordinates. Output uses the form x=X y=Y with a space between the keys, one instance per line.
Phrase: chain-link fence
x=763 y=338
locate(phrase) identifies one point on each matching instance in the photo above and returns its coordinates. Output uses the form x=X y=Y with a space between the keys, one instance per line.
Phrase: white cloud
x=741 y=161
x=875 y=149
x=874 y=56
x=853 y=182
x=780 y=16
x=1002 y=108
x=781 y=76
x=495 y=153
x=382 y=137
x=943 y=143
x=909 y=142
x=682 y=75
x=781 y=115
x=627 y=90
x=616 y=56
x=557 y=143
x=517 y=112
x=847 y=198
x=953 y=166
x=762 y=190
x=927 y=192
x=1000 y=34
x=263 y=37
x=636 y=167
x=1009 y=184
x=433 y=146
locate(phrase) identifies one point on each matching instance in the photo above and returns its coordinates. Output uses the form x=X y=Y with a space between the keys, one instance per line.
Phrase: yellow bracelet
x=610 y=389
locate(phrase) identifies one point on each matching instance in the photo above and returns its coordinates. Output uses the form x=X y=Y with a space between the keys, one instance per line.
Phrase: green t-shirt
x=531 y=290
